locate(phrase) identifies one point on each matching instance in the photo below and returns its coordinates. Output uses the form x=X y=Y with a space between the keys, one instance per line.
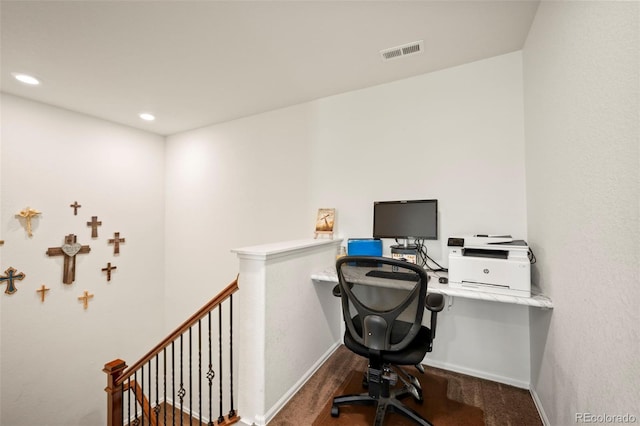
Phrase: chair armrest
x=336 y=291
x=434 y=302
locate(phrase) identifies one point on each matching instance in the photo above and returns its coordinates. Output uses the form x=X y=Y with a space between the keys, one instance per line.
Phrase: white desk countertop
x=537 y=299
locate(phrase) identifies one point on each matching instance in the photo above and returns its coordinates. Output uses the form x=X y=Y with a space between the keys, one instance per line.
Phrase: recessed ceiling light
x=26 y=79
x=146 y=116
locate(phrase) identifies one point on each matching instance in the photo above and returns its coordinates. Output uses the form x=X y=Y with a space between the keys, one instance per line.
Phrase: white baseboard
x=477 y=373
x=296 y=387
x=540 y=408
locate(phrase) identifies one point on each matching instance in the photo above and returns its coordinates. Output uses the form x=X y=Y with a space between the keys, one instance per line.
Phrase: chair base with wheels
x=388 y=400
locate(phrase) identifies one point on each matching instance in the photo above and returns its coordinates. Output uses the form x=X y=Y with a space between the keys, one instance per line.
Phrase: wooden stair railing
x=123 y=380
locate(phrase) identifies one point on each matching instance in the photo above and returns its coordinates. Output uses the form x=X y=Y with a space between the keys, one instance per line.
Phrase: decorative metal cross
x=94 y=226
x=85 y=299
x=75 y=206
x=108 y=270
x=69 y=250
x=9 y=278
x=27 y=214
x=42 y=291
x=116 y=240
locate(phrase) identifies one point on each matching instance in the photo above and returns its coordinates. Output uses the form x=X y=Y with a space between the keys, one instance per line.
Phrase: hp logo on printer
x=485 y=270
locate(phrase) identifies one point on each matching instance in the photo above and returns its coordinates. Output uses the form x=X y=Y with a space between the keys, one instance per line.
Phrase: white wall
x=53 y=352
x=581 y=63
x=236 y=184
x=455 y=135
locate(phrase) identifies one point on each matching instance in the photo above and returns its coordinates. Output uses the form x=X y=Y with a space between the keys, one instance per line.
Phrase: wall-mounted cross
x=116 y=240
x=85 y=298
x=75 y=206
x=42 y=291
x=69 y=250
x=28 y=214
x=94 y=226
x=9 y=278
x=108 y=270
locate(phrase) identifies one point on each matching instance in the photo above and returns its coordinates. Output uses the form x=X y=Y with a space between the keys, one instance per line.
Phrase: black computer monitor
x=407 y=219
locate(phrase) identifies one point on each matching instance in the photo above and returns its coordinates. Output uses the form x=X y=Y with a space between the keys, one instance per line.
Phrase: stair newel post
x=114 y=392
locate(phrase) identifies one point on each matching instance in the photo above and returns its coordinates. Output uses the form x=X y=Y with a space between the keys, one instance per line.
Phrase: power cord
x=424 y=258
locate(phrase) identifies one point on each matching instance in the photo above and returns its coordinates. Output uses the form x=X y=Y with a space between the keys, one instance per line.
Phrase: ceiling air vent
x=404 y=50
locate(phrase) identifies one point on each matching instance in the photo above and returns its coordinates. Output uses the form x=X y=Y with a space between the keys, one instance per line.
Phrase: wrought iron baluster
x=136 y=422
x=221 y=417
x=173 y=383
x=164 y=384
x=232 y=412
x=141 y=400
x=210 y=375
x=149 y=399
x=181 y=392
x=190 y=380
x=199 y=372
x=128 y=401
x=156 y=409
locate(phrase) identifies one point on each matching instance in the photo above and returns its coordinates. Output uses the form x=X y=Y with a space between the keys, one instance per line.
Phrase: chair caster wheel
x=335 y=411
x=416 y=393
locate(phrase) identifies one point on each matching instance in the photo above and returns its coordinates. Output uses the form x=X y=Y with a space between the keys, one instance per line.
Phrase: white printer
x=491 y=264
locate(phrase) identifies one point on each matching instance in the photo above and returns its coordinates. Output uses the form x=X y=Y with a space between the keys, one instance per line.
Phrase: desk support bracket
x=449 y=302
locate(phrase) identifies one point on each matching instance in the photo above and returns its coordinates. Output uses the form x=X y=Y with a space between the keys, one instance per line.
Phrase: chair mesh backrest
x=381 y=311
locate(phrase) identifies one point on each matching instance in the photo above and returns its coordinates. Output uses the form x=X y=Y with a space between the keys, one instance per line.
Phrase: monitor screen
x=406 y=219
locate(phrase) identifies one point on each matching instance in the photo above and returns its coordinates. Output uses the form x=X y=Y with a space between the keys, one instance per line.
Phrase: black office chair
x=383 y=302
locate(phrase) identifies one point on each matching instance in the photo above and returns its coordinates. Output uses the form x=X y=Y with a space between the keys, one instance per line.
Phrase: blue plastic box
x=364 y=247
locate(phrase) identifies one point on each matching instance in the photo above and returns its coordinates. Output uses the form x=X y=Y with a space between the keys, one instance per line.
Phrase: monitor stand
x=407 y=252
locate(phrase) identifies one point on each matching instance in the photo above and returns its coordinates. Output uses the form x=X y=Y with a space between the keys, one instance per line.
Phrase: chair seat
x=413 y=354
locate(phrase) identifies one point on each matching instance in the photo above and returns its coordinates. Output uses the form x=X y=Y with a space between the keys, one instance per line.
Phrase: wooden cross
x=108 y=270
x=42 y=291
x=116 y=240
x=94 y=226
x=75 y=206
x=85 y=298
x=9 y=278
x=69 y=250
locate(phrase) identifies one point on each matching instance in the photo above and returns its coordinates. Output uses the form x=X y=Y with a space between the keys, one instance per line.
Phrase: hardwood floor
x=503 y=405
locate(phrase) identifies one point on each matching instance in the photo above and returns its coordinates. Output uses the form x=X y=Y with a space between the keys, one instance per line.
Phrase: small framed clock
x=325 y=221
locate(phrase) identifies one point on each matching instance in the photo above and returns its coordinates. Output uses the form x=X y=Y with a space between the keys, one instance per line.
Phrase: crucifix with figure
x=28 y=214
x=69 y=250
x=75 y=206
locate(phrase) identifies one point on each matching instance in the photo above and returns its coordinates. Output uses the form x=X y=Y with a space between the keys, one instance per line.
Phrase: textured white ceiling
x=194 y=63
